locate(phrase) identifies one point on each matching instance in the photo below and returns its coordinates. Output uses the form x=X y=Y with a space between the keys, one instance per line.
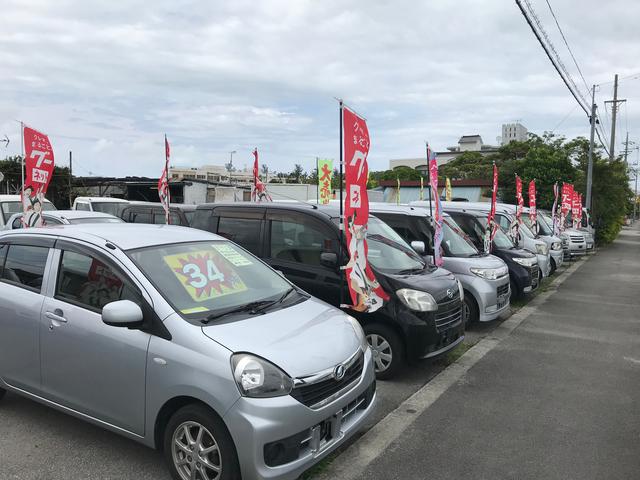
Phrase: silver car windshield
x=203 y=278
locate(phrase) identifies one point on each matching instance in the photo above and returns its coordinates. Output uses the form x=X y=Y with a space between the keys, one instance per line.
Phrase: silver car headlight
x=525 y=261
x=258 y=378
x=490 y=273
x=556 y=246
x=417 y=300
x=542 y=248
x=362 y=338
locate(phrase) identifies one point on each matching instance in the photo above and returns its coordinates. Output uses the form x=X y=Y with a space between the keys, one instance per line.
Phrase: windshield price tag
x=235 y=257
x=205 y=274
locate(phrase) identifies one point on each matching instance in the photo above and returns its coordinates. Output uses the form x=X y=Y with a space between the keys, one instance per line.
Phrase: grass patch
x=318 y=468
x=453 y=355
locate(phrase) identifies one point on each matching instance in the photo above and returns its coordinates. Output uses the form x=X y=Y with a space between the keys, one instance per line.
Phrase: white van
x=10 y=204
x=109 y=205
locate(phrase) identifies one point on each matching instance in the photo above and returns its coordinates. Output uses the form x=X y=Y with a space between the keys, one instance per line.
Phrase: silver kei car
x=183 y=341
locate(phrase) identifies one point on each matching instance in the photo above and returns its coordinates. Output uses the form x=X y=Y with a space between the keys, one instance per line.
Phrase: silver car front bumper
x=256 y=423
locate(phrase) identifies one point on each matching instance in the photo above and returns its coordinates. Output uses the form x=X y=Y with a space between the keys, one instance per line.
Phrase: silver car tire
x=197 y=445
x=387 y=350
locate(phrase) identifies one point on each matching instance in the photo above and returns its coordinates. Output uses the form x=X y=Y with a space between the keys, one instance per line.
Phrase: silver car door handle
x=57 y=318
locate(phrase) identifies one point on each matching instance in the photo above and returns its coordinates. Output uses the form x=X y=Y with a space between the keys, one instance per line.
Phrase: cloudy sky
x=108 y=79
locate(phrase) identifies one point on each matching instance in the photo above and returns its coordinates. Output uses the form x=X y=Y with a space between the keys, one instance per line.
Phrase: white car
x=10 y=204
x=110 y=205
x=64 y=217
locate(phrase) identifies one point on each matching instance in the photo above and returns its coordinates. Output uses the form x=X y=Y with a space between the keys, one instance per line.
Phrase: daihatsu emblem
x=338 y=372
x=450 y=293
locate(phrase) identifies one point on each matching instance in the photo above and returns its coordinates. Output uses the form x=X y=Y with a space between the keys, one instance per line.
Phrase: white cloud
x=107 y=80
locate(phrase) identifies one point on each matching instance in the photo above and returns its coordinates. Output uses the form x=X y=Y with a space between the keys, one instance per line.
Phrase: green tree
x=467 y=165
x=298 y=173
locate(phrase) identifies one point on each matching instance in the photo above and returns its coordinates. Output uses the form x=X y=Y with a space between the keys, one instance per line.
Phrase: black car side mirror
x=329 y=259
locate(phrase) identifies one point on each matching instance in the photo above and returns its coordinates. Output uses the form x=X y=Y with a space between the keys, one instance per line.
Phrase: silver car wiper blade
x=251 y=307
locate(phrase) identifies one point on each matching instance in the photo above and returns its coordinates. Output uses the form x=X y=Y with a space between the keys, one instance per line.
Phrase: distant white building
x=210 y=173
x=513 y=132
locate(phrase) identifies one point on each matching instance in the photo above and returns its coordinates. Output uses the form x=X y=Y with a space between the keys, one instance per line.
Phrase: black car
x=422 y=318
x=153 y=212
x=523 y=265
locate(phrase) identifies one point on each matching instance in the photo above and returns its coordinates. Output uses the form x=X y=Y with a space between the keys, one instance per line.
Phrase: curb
x=352 y=462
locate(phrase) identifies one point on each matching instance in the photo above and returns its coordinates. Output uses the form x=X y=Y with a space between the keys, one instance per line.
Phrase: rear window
x=24 y=265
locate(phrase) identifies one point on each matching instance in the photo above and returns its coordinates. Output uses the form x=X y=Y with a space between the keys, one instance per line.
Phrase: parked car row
x=225 y=345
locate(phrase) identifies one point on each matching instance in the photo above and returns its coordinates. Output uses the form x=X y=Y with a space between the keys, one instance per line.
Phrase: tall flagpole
x=22 y=155
x=342 y=227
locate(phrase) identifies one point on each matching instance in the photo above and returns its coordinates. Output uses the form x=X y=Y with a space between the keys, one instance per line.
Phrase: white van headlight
x=542 y=248
x=417 y=300
x=258 y=378
x=362 y=338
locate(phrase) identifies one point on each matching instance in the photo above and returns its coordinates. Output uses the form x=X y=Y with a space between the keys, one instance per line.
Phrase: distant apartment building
x=210 y=173
x=513 y=132
x=466 y=143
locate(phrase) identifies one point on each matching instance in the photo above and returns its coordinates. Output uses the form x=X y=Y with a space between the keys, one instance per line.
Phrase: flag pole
x=22 y=155
x=342 y=274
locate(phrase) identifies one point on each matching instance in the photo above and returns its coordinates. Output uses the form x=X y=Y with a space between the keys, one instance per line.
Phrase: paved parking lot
x=39 y=443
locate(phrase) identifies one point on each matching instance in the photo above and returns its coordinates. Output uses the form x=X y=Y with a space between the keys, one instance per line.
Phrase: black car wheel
x=387 y=350
x=198 y=445
x=2 y=393
x=470 y=309
x=516 y=294
x=553 y=266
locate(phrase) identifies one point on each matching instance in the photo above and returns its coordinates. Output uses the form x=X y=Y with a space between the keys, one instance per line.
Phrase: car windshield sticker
x=231 y=254
x=205 y=274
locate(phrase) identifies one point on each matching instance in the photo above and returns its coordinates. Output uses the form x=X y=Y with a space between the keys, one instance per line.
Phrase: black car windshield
x=500 y=240
x=200 y=279
x=455 y=240
x=112 y=208
x=388 y=252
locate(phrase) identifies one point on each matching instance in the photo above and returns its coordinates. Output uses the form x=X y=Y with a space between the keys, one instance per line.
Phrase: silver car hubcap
x=195 y=453
x=382 y=353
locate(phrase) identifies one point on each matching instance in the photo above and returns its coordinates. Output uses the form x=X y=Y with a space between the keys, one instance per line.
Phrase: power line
x=565 y=118
x=553 y=56
x=567 y=45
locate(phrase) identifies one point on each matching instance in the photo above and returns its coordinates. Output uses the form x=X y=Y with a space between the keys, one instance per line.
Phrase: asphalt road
x=39 y=443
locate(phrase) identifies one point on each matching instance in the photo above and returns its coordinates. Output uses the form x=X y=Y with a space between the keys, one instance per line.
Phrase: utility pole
x=614 y=110
x=70 y=176
x=592 y=120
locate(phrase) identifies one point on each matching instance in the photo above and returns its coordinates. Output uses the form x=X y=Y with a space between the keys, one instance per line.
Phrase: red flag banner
x=259 y=190
x=366 y=293
x=515 y=225
x=576 y=209
x=533 y=213
x=565 y=203
x=554 y=209
x=39 y=164
x=163 y=183
x=492 y=226
x=437 y=215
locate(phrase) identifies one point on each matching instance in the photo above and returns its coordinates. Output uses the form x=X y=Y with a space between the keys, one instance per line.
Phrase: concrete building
x=471 y=190
x=210 y=173
x=514 y=132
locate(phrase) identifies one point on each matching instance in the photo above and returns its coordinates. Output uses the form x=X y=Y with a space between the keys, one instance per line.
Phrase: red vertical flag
x=492 y=226
x=533 y=213
x=163 y=183
x=39 y=164
x=576 y=209
x=515 y=226
x=437 y=216
x=259 y=190
x=565 y=205
x=365 y=291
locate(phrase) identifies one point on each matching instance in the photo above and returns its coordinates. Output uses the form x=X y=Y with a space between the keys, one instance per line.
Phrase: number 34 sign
x=205 y=274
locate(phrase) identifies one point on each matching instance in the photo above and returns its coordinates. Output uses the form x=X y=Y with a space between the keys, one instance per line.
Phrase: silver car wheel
x=195 y=453
x=382 y=353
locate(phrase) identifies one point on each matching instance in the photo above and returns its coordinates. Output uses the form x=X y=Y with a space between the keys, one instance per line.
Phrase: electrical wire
x=565 y=118
x=575 y=62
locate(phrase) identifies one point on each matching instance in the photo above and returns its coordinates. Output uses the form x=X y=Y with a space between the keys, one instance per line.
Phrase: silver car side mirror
x=419 y=246
x=123 y=313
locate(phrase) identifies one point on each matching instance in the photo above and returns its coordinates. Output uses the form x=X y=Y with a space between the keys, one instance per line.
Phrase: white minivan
x=110 y=205
x=10 y=204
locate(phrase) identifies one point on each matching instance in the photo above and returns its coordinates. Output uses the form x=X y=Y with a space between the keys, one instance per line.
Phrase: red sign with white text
x=39 y=163
x=366 y=293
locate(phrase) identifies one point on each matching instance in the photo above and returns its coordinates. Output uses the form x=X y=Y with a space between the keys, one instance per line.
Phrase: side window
x=24 y=265
x=82 y=206
x=91 y=283
x=140 y=217
x=17 y=223
x=504 y=222
x=298 y=242
x=400 y=223
x=3 y=254
x=243 y=231
x=51 y=221
x=158 y=218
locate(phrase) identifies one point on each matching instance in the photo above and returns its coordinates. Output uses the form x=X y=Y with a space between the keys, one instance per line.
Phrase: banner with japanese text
x=325 y=175
x=448 y=190
x=259 y=190
x=366 y=293
x=492 y=225
x=163 y=183
x=533 y=213
x=554 y=210
x=576 y=209
x=437 y=214
x=39 y=164
x=565 y=204
x=514 y=229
